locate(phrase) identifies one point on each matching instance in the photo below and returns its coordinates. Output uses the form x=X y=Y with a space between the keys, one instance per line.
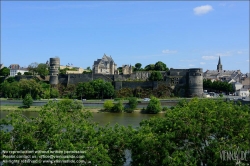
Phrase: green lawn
x=15 y=107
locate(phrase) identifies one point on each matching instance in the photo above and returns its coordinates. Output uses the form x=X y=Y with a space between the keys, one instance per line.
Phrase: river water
x=103 y=118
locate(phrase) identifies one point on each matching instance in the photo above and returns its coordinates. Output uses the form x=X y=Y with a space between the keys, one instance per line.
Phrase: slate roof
x=104 y=61
x=14 y=66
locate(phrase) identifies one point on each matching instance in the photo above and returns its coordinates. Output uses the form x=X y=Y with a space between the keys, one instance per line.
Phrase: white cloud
x=248 y=60
x=190 y=65
x=202 y=63
x=200 y=10
x=169 y=51
x=209 y=57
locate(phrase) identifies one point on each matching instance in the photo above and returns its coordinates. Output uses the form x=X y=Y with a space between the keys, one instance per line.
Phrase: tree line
x=11 y=88
x=34 y=68
x=217 y=86
x=192 y=133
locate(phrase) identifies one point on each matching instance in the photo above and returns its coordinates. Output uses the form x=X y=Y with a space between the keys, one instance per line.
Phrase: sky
x=182 y=34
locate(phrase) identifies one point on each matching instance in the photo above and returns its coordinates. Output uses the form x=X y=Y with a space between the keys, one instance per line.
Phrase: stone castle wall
x=133 y=84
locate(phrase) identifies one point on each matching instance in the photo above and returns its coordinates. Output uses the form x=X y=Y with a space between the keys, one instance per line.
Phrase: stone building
x=127 y=69
x=54 y=70
x=15 y=69
x=222 y=75
x=188 y=82
x=106 y=65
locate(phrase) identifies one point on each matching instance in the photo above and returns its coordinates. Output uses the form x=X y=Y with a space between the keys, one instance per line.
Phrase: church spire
x=219 y=66
x=219 y=63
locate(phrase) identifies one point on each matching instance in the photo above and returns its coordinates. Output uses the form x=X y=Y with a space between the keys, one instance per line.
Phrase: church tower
x=219 y=66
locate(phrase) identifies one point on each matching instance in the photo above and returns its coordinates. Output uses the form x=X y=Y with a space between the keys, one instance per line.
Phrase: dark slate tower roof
x=219 y=63
x=219 y=66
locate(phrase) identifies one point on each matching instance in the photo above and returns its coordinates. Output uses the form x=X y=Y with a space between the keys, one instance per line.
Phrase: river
x=103 y=118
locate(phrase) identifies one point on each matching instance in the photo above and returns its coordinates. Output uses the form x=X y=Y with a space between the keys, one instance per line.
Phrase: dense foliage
x=108 y=105
x=192 y=133
x=96 y=89
x=27 y=101
x=162 y=91
x=118 y=107
x=154 y=106
x=57 y=128
x=138 y=67
x=158 y=66
x=13 y=89
x=42 y=69
x=155 y=76
x=5 y=71
x=132 y=102
x=217 y=85
x=33 y=68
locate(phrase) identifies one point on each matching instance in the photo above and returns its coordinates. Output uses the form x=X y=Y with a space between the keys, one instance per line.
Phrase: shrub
x=165 y=108
x=70 y=105
x=221 y=95
x=118 y=107
x=54 y=93
x=132 y=101
x=108 y=105
x=27 y=101
x=154 y=106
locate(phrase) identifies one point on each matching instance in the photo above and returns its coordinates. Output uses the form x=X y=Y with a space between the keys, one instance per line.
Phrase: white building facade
x=15 y=69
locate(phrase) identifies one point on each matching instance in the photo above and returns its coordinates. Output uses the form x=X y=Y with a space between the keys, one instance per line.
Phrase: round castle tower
x=195 y=81
x=54 y=70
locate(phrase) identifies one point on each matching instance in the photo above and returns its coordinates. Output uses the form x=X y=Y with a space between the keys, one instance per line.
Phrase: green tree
x=42 y=69
x=102 y=89
x=85 y=90
x=155 y=76
x=108 y=105
x=30 y=87
x=137 y=67
x=70 y=105
x=149 y=67
x=118 y=107
x=19 y=73
x=10 y=89
x=154 y=106
x=27 y=101
x=217 y=86
x=193 y=133
x=5 y=71
x=132 y=101
x=27 y=73
x=57 y=129
x=54 y=93
x=160 y=66
x=11 y=79
x=33 y=68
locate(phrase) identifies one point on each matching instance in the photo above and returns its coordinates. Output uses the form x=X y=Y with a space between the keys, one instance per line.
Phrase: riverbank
x=38 y=108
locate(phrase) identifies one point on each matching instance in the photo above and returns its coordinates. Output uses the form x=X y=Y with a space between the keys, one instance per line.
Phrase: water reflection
x=103 y=118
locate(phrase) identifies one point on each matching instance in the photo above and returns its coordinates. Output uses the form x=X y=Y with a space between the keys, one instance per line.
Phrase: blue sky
x=180 y=34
